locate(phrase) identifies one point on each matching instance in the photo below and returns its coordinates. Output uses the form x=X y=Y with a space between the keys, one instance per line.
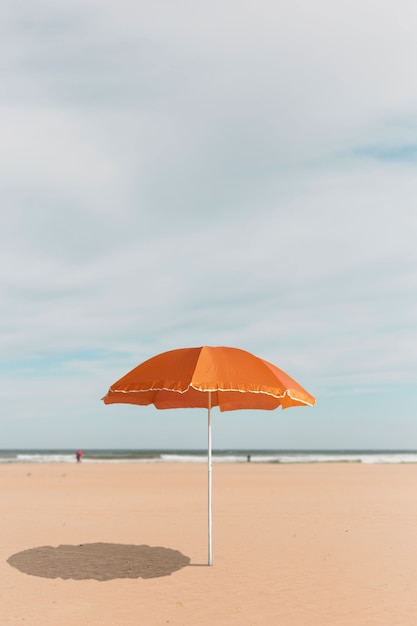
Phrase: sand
x=126 y=545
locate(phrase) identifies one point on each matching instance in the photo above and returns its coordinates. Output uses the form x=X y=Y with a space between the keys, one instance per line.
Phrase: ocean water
x=200 y=456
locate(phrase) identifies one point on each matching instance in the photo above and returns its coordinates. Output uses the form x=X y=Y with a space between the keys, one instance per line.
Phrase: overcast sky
x=232 y=173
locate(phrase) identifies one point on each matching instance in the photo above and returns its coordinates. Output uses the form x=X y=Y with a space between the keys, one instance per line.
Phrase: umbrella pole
x=210 y=547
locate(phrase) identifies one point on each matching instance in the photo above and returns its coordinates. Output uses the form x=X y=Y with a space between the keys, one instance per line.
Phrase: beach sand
x=126 y=545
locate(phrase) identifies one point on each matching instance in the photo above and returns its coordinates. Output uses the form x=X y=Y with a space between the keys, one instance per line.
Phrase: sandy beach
x=126 y=545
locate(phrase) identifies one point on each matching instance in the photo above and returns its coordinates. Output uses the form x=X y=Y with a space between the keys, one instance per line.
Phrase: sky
x=180 y=173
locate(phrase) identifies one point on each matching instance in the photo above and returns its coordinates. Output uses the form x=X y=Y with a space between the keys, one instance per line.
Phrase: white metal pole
x=210 y=546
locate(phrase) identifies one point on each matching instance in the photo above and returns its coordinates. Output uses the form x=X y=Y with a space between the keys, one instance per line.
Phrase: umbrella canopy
x=205 y=377
x=181 y=378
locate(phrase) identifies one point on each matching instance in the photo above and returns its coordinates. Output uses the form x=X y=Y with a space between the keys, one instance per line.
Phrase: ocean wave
x=200 y=456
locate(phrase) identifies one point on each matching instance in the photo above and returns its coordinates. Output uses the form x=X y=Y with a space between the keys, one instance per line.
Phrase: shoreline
x=200 y=456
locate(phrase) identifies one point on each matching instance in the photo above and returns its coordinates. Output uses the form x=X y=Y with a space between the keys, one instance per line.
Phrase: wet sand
x=126 y=545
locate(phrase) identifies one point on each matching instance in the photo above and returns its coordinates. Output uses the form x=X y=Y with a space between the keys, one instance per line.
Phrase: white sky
x=227 y=173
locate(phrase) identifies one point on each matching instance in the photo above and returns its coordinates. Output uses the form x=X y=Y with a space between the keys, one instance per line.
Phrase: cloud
x=217 y=173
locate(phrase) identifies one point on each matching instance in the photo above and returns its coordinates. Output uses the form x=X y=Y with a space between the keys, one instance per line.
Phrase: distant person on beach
x=248 y=458
x=79 y=456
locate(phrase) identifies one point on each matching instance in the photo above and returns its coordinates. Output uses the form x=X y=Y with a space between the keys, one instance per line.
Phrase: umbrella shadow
x=99 y=561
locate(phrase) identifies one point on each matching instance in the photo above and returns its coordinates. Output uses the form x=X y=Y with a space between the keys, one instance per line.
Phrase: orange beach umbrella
x=206 y=377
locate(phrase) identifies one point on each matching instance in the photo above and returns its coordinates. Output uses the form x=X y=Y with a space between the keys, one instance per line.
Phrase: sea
x=200 y=456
